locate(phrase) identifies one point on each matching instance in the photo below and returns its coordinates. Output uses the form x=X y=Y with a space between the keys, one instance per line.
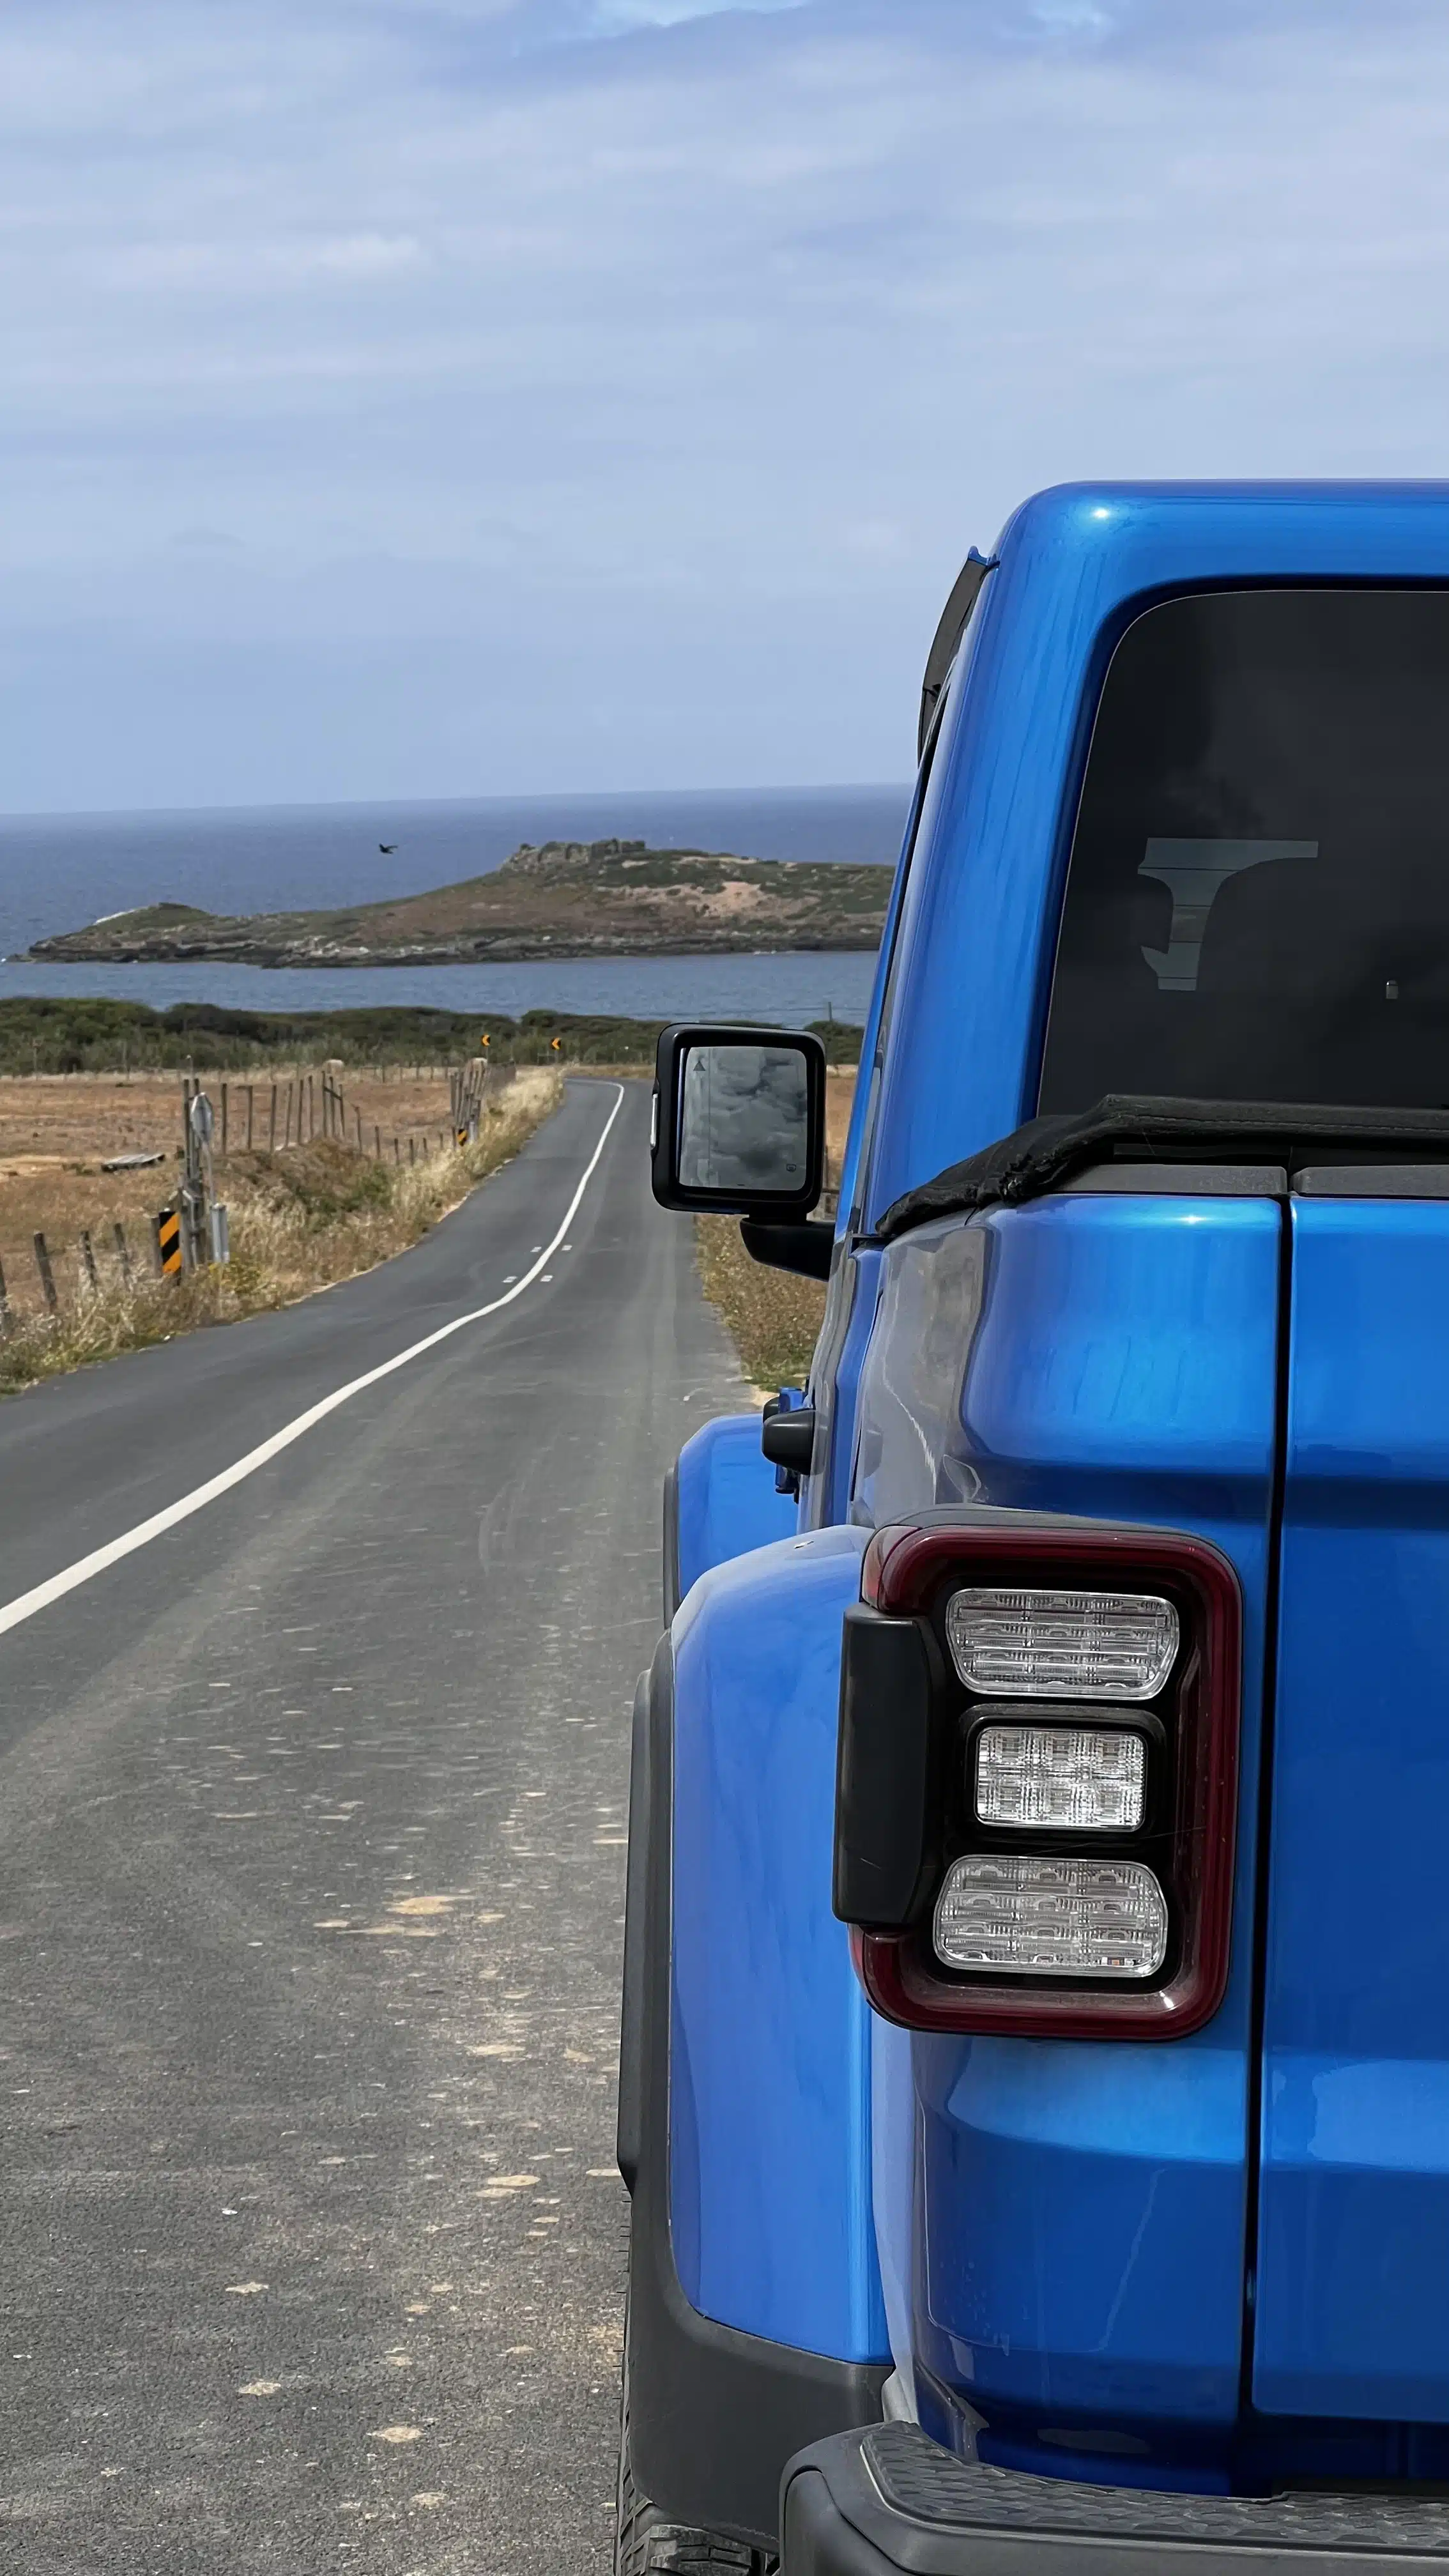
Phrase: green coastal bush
x=54 y=1033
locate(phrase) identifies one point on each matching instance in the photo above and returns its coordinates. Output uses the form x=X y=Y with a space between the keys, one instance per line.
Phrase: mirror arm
x=805 y=1248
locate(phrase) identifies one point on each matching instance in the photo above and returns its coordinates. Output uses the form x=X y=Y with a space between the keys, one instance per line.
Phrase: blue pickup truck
x=1035 y=2067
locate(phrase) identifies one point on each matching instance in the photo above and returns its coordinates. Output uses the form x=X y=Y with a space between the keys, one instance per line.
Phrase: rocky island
x=563 y=899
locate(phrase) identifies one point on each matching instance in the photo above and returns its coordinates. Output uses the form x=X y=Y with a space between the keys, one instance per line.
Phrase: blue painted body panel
x=727 y=1498
x=1353 y=2315
x=770 y=2187
x=1082 y=2207
x=826 y=1498
x=1082 y=2211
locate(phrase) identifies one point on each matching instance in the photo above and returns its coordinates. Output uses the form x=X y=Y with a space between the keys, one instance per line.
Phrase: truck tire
x=645 y=2541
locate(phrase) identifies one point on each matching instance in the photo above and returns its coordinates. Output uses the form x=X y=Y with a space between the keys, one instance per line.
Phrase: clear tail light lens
x=1019 y=1915
x=1073 y=1779
x=956 y=1927
x=1062 y=1645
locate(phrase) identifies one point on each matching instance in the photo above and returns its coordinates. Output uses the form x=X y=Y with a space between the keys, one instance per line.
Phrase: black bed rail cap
x=1131 y=1127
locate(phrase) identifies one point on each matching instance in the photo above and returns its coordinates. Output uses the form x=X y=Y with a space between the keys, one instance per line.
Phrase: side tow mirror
x=739 y=1122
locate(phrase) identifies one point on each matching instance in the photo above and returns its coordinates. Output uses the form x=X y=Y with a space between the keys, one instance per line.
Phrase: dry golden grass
x=839 y=1101
x=300 y=1220
x=773 y=1316
x=55 y=1132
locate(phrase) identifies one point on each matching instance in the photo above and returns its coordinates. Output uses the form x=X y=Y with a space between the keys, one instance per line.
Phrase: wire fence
x=280 y=1117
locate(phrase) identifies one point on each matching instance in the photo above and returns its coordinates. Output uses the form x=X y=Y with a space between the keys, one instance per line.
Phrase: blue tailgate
x=1353 y=2281
x=1081 y=2207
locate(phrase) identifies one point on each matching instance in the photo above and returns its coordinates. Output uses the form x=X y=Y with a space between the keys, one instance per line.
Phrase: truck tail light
x=1051 y=1918
x=1012 y=1863
x=1061 y=1645
x=1061 y=1779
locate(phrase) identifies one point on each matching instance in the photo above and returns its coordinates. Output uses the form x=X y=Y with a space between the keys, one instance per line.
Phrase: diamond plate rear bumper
x=887 y=2500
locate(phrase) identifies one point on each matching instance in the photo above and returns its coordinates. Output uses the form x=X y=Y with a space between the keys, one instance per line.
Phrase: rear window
x=1257 y=903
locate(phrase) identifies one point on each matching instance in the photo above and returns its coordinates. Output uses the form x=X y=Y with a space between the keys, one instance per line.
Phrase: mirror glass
x=744 y=1120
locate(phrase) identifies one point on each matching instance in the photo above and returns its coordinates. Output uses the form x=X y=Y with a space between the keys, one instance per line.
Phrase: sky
x=410 y=398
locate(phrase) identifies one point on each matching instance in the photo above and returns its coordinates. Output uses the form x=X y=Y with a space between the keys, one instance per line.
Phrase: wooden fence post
x=157 y=1263
x=47 y=1275
x=88 y=1259
x=223 y=1117
x=123 y=1253
x=4 y=1305
x=251 y=1112
x=377 y=1143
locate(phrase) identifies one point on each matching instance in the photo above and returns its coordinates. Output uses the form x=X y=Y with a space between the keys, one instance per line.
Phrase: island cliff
x=563 y=899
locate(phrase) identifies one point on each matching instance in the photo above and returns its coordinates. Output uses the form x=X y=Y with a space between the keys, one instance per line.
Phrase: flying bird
x=387 y=848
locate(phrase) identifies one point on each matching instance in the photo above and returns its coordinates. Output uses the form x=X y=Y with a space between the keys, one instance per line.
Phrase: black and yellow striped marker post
x=460 y=1137
x=168 y=1243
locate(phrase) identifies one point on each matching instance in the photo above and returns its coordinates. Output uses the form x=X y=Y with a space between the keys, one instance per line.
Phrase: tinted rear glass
x=1257 y=904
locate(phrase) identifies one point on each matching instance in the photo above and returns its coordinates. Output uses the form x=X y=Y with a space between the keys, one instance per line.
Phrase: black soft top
x=1133 y=1128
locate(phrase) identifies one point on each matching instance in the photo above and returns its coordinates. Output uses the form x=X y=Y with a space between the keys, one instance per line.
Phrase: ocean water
x=59 y=872
x=788 y=990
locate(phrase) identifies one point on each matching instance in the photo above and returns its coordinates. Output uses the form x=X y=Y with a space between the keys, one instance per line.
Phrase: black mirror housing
x=738 y=1123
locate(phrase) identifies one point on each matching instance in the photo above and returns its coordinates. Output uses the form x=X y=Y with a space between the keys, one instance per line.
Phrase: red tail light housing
x=907 y=1810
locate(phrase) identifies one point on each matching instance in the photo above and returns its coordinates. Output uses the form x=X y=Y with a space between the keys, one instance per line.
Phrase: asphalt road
x=312 y=1823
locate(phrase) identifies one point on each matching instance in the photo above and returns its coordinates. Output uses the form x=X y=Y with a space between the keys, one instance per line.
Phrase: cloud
x=605 y=391
x=621 y=17
x=268 y=265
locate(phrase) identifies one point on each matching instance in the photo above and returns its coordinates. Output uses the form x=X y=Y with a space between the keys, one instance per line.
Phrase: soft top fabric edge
x=1045 y=1152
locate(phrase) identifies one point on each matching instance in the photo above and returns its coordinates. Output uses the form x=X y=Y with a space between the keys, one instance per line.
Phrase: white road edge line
x=27 y=1604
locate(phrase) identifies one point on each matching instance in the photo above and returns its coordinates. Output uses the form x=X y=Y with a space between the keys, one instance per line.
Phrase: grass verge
x=773 y=1316
x=300 y=1221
